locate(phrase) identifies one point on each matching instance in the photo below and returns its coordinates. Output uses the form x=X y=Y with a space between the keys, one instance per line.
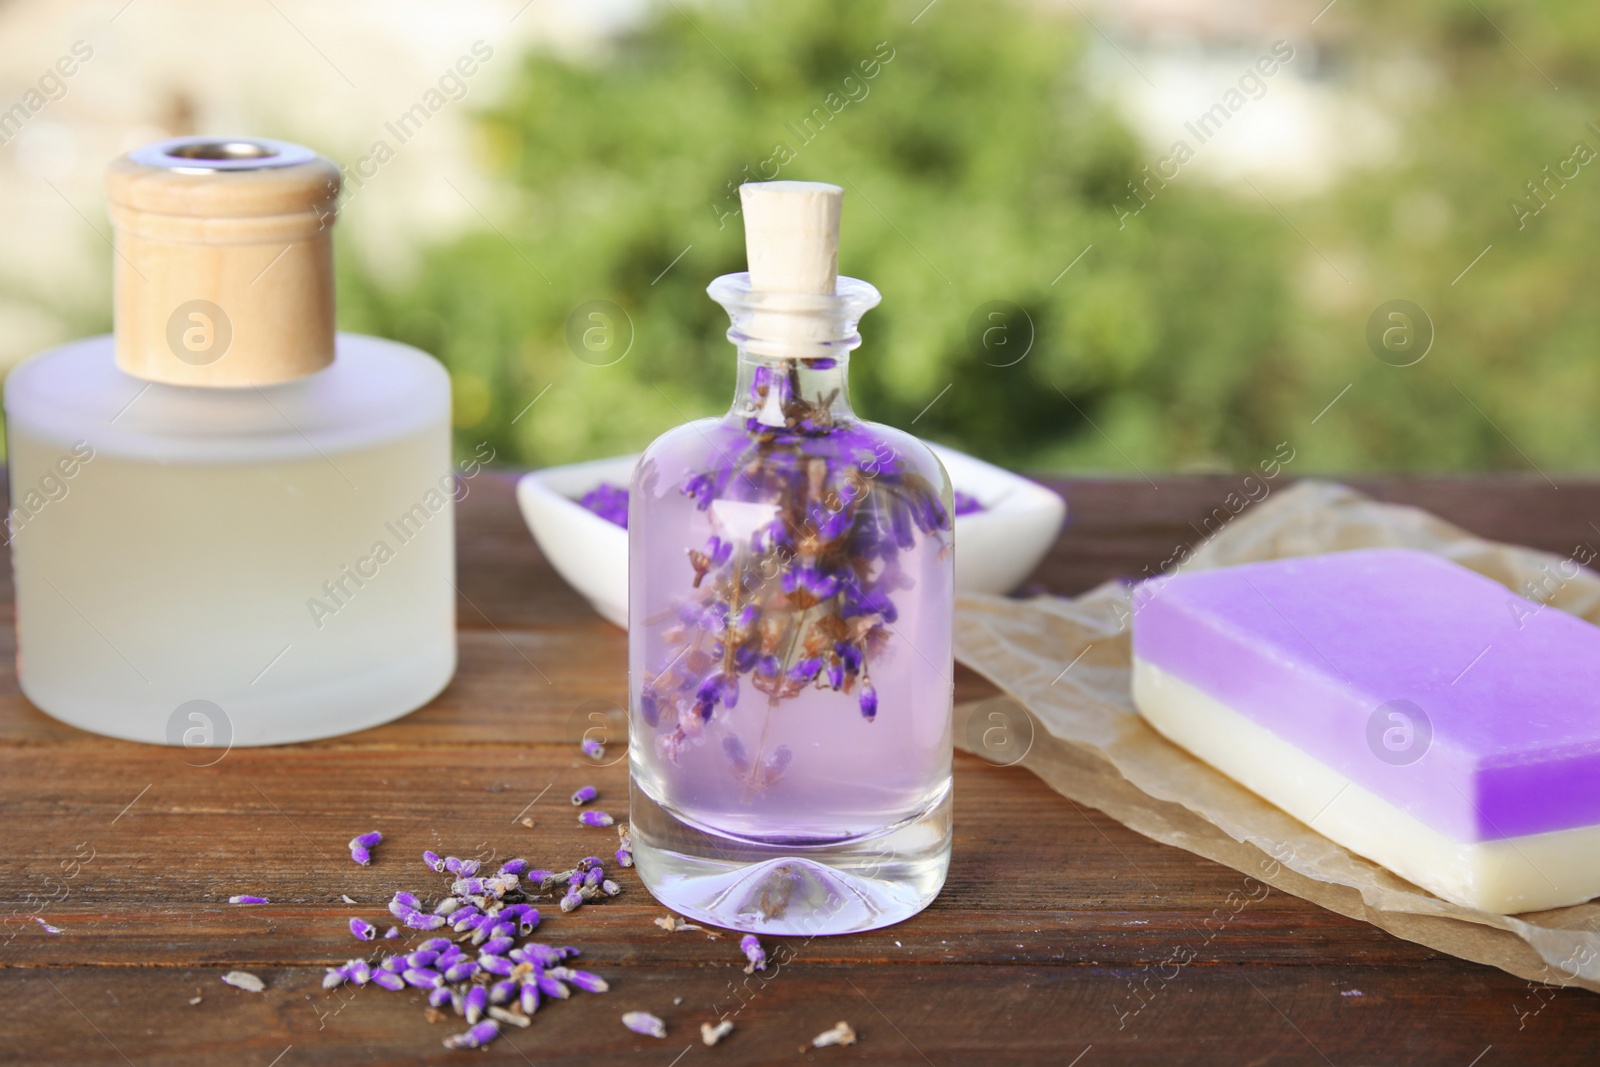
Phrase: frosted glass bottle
x=228 y=527
x=790 y=602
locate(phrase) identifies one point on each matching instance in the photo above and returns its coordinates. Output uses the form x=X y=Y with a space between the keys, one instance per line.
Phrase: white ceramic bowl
x=996 y=548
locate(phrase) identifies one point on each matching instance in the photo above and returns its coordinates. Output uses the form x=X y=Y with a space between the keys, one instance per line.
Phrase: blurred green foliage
x=978 y=164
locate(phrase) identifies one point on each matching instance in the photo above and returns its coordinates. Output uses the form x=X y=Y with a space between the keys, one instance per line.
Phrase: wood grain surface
x=1055 y=941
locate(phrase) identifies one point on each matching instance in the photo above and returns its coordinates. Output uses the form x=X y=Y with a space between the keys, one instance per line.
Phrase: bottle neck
x=805 y=395
x=794 y=351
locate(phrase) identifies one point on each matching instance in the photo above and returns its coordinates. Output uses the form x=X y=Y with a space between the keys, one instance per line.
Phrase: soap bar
x=1415 y=712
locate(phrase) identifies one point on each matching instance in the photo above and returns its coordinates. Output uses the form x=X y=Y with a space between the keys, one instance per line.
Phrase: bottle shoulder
x=375 y=390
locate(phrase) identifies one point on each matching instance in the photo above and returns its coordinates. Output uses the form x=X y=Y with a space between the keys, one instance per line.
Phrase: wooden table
x=1050 y=916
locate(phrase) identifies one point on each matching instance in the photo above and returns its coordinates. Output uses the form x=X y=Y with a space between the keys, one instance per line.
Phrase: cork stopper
x=224 y=266
x=791 y=236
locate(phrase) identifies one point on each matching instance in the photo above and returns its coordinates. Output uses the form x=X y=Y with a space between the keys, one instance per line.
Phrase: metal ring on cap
x=206 y=154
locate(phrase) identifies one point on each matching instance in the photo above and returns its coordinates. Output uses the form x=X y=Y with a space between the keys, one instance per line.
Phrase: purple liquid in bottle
x=790 y=643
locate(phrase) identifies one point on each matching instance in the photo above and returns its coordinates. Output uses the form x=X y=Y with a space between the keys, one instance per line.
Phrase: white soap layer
x=1515 y=874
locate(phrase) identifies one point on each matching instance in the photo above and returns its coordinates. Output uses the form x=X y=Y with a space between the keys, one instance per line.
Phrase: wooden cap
x=224 y=267
x=791 y=235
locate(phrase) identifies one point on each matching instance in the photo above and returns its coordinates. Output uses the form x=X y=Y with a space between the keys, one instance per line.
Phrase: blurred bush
x=978 y=164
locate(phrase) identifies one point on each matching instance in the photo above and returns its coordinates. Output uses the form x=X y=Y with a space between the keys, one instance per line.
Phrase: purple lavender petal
x=869 y=701
x=750 y=945
x=360 y=971
x=503 y=991
x=498 y=946
x=588 y=982
x=363 y=930
x=423 y=977
x=468 y=887
x=518 y=867
x=584 y=794
x=407 y=901
x=439 y=997
x=436 y=944
x=476 y=1037
x=423 y=957
x=543 y=955
x=552 y=986
x=247 y=899
x=596 y=818
x=391 y=933
x=495 y=964
x=530 y=997
x=360 y=855
x=474 y=1002
x=642 y=1022
x=624 y=858
x=336 y=977
x=593 y=749
x=388 y=980
x=416 y=920
x=595 y=876
x=461 y=868
x=774 y=766
x=432 y=859
x=967 y=504
x=460 y=971
x=366 y=840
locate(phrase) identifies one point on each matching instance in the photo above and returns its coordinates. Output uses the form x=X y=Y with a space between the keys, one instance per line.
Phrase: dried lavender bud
x=585 y=794
x=402 y=904
x=544 y=879
x=495 y=964
x=391 y=933
x=474 y=1002
x=596 y=818
x=551 y=986
x=624 y=858
x=467 y=887
x=869 y=701
x=439 y=997
x=423 y=978
x=517 y=867
x=642 y=1022
x=244 y=980
x=712 y=1034
x=610 y=888
x=589 y=892
x=841 y=1034
x=512 y=1017
x=448 y=906
x=436 y=944
x=432 y=859
x=526 y=916
x=346 y=898
x=501 y=884
x=388 y=981
x=529 y=997
x=392 y=964
x=336 y=977
x=476 y=1037
x=363 y=930
x=418 y=921
x=502 y=991
x=498 y=946
x=572 y=901
x=595 y=877
x=751 y=947
x=672 y=924
x=533 y=952
x=246 y=899
x=589 y=983
x=360 y=855
x=461 y=868
x=461 y=970
x=359 y=971
x=468 y=918
x=568 y=952
x=361 y=847
x=422 y=957
x=593 y=749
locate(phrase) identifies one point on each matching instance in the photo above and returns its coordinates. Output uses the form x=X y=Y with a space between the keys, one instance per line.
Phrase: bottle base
x=840 y=888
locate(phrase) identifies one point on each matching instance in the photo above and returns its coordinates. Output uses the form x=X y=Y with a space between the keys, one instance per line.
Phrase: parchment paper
x=1067 y=663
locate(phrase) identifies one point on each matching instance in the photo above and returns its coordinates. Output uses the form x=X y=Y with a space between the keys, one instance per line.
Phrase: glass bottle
x=229 y=526
x=790 y=601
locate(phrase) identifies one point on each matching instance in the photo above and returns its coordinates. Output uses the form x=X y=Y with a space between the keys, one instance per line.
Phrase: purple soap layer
x=1317 y=649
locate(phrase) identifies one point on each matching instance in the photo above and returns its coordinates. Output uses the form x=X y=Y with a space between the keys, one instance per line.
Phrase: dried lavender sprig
x=751 y=947
x=245 y=898
x=363 y=930
x=642 y=1022
x=584 y=795
x=476 y=1037
x=596 y=818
